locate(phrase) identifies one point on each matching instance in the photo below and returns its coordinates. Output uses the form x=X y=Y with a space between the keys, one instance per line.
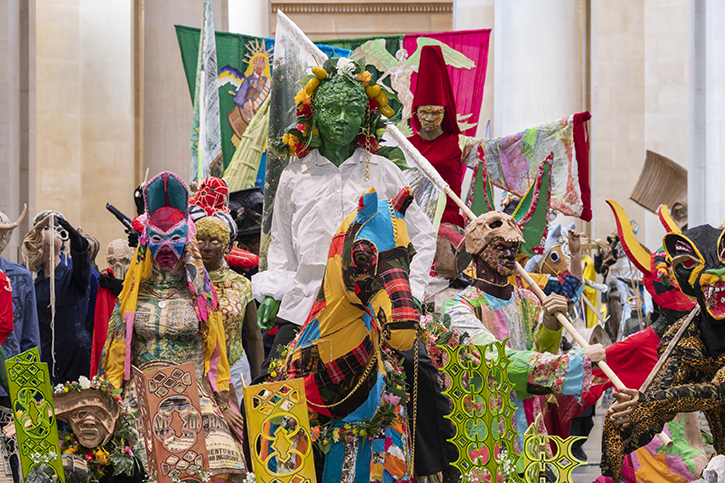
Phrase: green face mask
x=339 y=111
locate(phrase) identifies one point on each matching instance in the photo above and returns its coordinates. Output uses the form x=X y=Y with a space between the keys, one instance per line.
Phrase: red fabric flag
x=467 y=83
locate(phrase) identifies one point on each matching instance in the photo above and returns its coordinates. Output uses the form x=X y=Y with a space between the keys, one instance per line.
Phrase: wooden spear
x=413 y=155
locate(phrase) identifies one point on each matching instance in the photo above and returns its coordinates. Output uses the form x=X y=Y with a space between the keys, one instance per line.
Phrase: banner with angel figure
x=245 y=69
x=396 y=58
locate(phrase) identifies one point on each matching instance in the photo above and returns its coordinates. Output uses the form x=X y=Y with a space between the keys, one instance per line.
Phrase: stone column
x=168 y=109
x=17 y=114
x=106 y=117
x=696 y=99
x=666 y=120
x=85 y=113
x=250 y=18
x=617 y=125
x=707 y=150
x=537 y=63
x=471 y=15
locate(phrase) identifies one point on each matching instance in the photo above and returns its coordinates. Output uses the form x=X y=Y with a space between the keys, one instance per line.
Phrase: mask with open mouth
x=697 y=257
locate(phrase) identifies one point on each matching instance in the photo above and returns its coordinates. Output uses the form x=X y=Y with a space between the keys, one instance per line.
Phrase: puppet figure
x=693 y=376
x=62 y=307
x=99 y=440
x=168 y=314
x=235 y=298
x=438 y=136
x=493 y=309
x=335 y=138
x=559 y=269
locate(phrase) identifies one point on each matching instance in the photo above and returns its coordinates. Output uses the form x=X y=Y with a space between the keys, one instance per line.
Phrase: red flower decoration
x=372 y=105
x=303 y=128
x=304 y=111
x=302 y=152
x=368 y=143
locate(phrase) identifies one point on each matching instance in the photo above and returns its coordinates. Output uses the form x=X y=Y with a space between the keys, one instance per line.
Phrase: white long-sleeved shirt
x=313 y=197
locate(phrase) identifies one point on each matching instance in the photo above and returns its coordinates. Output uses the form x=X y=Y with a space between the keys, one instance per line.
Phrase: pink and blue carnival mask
x=168 y=228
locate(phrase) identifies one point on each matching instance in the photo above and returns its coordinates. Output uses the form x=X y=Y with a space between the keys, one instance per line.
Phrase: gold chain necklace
x=393 y=220
x=367 y=164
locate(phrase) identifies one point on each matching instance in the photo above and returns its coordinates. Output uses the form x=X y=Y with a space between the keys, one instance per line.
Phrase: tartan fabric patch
x=397 y=285
x=307 y=363
x=336 y=371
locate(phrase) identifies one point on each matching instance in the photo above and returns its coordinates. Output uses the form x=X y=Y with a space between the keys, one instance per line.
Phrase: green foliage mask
x=339 y=111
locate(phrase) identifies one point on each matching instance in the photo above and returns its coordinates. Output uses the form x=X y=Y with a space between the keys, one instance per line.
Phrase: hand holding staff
x=414 y=156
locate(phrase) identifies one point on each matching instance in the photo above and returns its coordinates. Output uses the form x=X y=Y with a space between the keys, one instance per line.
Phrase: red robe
x=105 y=302
x=445 y=156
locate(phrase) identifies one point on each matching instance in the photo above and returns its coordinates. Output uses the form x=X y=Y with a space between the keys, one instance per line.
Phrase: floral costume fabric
x=536 y=367
x=234 y=292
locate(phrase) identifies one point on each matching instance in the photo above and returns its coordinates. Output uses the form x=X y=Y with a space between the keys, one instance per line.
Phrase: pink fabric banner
x=467 y=83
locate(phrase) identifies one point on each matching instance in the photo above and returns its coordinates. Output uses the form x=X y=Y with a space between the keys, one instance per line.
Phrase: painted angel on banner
x=401 y=67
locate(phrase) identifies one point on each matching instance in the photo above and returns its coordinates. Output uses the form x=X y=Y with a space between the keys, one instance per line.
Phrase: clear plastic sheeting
x=294 y=55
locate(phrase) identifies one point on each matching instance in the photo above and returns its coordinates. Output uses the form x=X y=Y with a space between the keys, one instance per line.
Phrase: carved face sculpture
x=494 y=224
x=90 y=414
x=430 y=117
x=500 y=255
x=339 y=110
x=118 y=256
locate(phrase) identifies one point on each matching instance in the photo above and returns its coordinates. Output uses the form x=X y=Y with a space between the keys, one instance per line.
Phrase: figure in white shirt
x=314 y=195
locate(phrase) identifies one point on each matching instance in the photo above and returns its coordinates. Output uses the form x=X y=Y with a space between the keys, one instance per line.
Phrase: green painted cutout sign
x=483 y=412
x=538 y=457
x=32 y=404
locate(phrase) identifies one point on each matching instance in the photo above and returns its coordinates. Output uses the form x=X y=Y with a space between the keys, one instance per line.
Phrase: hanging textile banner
x=205 y=135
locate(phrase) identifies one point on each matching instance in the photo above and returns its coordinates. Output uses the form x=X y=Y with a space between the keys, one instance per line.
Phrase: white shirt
x=313 y=197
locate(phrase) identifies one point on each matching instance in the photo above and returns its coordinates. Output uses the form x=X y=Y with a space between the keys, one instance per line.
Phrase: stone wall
x=331 y=19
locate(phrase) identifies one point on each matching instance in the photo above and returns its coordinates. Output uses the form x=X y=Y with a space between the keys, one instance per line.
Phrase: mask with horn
x=6 y=228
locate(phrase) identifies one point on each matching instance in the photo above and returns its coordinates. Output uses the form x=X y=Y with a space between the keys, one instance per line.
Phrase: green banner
x=244 y=64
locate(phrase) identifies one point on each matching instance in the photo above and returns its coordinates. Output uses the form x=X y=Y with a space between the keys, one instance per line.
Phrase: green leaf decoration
x=306 y=79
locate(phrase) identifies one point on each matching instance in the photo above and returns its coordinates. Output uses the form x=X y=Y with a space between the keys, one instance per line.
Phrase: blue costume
x=25 y=334
x=72 y=341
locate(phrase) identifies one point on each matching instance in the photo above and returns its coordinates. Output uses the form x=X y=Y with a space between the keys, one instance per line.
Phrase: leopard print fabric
x=689 y=381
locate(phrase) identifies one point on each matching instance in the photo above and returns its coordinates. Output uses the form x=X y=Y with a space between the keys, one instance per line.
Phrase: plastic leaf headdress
x=302 y=136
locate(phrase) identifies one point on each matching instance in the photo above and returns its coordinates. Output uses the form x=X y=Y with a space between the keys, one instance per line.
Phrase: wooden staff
x=414 y=156
x=670 y=347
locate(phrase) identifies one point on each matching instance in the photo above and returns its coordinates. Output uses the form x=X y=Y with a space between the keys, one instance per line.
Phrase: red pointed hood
x=434 y=88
